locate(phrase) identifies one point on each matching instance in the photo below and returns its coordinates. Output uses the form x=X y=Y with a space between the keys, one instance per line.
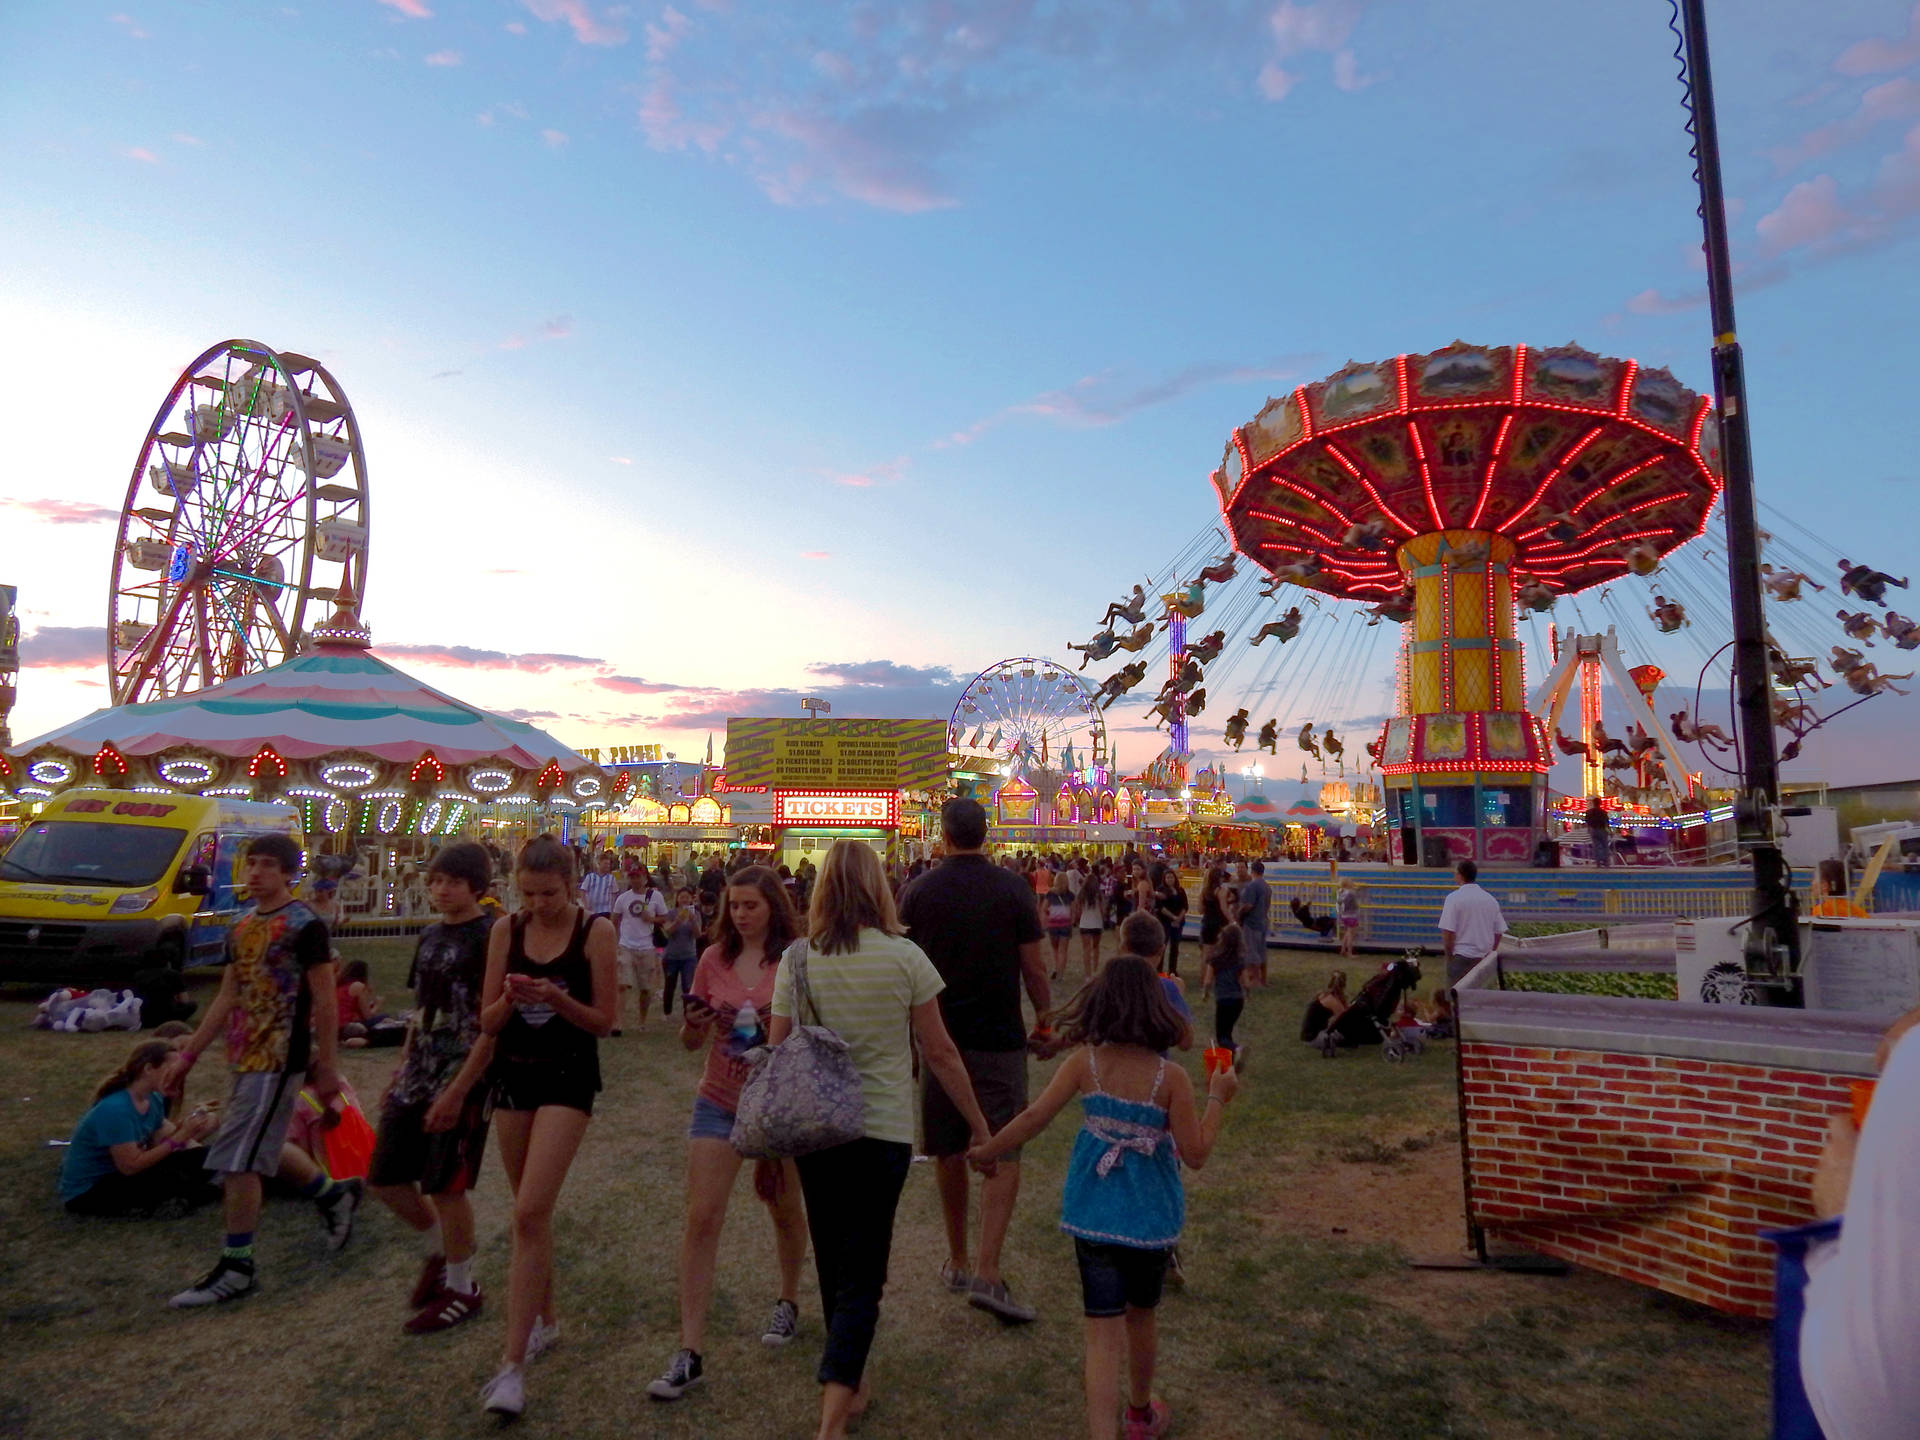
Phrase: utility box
x=1812 y=838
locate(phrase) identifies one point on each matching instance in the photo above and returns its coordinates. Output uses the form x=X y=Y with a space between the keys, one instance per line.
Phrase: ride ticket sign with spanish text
x=837 y=754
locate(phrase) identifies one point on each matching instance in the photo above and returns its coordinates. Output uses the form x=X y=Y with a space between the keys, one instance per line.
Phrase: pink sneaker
x=1159 y=1420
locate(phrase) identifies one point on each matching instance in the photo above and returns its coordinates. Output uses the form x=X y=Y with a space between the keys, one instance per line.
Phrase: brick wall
x=1658 y=1169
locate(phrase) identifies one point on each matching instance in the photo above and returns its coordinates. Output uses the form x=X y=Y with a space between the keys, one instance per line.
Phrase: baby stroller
x=1369 y=1019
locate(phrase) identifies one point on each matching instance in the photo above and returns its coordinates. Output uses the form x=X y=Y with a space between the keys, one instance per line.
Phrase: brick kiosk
x=1648 y=1139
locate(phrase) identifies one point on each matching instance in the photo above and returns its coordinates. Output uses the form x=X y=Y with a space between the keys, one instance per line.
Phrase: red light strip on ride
x=1307 y=428
x=1426 y=474
x=1613 y=484
x=1519 y=372
x=1295 y=523
x=1625 y=397
x=1306 y=494
x=1493 y=462
x=1601 y=544
x=1493 y=649
x=1446 y=639
x=1340 y=457
x=1552 y=475
x=1400 y=379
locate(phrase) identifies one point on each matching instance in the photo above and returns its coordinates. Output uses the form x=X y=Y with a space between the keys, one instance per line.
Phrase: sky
x=713 y=354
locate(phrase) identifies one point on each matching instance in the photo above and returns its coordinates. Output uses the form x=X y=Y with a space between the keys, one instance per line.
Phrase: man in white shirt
x=1470 y=923
x=1863 y=1288
x=636 y=910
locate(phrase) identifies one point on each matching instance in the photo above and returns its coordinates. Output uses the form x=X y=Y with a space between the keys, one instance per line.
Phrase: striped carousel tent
x=1257 y=809
x=1306 y=811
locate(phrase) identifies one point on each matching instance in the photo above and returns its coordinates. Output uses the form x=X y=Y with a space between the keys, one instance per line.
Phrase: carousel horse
x=1221 y=569
x=1286 y=627
x=1535 y=595
x=1120 y=682
x=1795 y=672
x=1605 y=744
x=1398 y=610
x=1368 y=535
x=1098 y=648
x=1668 y=615
x=1642 y=559
x=1237 y=728
x=1859 y=625
x=1904 y=633
x=1866 y=582
x=1137 y=641
x=1308 y=743
x=1301 y=572
x=1690 y=734
x=1208 y=650
x=1132 y=610
x=1866 y=679
x=1187 y=603
x=1569 y=746
x=1785 y=584
x=1269 y=740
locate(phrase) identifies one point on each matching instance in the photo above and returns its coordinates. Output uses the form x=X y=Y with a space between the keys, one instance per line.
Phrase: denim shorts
x=709 y=1121
x=1116 y=1278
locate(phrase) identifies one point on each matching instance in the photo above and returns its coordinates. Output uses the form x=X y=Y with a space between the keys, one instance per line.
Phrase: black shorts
x=534 y=1085
x=1116 y=1278
x=442 y=1163
x=999 y=1084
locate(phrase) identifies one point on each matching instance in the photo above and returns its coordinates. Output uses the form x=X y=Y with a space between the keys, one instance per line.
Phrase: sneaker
x=336 y=1214
x=1159 y=1418
x=957 y=1281
x=433 y=1276
x=229 y=1279
x=1176 y=1278
x=542 y=1338
x=782 y=1324
x=505 y=1393
x=681 y=1376
x=995 y=1300
x=446 y=1310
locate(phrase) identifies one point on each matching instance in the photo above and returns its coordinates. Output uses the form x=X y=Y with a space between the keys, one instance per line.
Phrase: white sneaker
x=505 y=1393
x=542 y=1338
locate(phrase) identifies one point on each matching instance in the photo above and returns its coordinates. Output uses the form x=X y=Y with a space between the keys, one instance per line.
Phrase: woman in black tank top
x=550 y=994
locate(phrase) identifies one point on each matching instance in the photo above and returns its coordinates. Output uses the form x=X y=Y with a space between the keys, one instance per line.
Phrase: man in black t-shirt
x=980 y=925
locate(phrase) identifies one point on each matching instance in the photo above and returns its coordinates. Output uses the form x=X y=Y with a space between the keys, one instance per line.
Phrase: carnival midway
x=1567 y=989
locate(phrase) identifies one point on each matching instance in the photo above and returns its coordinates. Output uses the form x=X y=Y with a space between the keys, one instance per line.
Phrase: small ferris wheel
x=255 y=503
x=1029 y=714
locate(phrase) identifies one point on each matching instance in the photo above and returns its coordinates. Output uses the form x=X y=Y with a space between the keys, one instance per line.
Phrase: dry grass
x=1285 y=1329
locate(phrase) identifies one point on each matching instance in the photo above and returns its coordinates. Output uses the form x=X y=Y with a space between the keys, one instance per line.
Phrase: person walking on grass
x=727 y=1009
x=879 y=993
x=1470 y=923
x=1256 y=908
x=637 y=912
x=980 y=927
x=276 y=1004
x=1123 y=1202
x=549 y=996
x=1222 y=971
x=433 y=1119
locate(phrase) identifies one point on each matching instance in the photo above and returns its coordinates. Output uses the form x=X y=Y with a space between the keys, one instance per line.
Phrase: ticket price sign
x=837 y=754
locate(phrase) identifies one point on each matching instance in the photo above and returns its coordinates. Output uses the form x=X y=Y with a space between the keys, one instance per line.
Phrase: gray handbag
x=803 y=1094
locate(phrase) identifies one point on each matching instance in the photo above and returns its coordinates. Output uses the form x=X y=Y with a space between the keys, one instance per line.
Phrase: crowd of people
x=930 y=973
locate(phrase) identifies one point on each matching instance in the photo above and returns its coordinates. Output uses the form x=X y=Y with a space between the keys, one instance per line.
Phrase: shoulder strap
x=1159 y=1074
x=802 y=992
x=1093 y=1068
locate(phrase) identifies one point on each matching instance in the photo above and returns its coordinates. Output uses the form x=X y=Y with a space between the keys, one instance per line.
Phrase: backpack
x=803 y=1094
x=1059 y=910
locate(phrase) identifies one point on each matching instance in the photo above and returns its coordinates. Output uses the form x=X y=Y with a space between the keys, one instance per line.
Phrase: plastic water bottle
x=746 y=1024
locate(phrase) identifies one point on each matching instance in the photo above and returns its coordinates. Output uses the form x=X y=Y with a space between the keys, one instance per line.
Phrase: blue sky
x=744 y=349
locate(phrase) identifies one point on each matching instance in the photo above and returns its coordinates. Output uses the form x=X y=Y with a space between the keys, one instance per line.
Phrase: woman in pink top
x=727 y=1009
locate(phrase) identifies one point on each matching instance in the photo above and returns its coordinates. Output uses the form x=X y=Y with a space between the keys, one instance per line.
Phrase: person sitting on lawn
x=361 y=1021
x=126 y=1157
x=1326 y=1007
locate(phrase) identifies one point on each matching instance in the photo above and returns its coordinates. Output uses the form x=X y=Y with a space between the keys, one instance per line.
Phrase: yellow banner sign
x=837 y=754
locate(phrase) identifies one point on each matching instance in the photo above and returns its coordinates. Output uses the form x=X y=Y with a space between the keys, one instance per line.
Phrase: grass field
x=1299 y=1319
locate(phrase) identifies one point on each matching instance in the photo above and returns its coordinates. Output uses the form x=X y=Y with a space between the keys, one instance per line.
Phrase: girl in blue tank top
x=1123 y=1202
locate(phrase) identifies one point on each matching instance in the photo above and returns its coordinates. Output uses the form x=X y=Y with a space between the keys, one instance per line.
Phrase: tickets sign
x=879 y=809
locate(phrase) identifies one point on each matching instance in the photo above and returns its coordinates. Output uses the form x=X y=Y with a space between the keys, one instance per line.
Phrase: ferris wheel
x=249 y=500
x=1029 y=714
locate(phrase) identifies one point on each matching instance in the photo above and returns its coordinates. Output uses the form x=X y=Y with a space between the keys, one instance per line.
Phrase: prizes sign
x=837 y=754
x=801 y=808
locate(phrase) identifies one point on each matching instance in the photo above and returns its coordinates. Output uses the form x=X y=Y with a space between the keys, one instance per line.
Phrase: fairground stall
x=828 y=780
x=382 y=768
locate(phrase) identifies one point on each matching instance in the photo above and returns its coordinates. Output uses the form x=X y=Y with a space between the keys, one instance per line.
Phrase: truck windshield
x=91 y=852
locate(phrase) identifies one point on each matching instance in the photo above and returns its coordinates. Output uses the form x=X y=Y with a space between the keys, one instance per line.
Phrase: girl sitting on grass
x=1123 y=1202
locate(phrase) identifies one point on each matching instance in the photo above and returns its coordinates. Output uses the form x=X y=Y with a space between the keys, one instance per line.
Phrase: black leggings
x=1226 y=1015
x=852 y=1192
x=182 y=1177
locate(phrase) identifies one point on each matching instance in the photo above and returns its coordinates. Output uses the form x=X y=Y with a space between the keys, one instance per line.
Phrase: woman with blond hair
x=877 y=991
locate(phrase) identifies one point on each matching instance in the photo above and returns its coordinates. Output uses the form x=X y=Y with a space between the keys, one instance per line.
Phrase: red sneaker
x=433 y=1275
x=446 y=1310
x=1159 y=1419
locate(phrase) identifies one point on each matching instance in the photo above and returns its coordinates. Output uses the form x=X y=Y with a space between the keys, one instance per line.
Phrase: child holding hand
x=1123 y=1202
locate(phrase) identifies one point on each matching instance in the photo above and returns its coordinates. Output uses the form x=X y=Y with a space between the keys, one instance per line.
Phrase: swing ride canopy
x=1505 y=440
x=334 y=722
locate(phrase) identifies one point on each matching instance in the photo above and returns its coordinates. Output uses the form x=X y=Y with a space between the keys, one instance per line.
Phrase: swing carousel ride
x=1454 y=499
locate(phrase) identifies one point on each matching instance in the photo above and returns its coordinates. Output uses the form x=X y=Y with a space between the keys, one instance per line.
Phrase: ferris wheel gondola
x=248 y=500
x=1028 y=714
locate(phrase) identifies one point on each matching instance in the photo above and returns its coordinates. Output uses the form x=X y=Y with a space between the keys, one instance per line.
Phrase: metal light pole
x=1773 y=937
